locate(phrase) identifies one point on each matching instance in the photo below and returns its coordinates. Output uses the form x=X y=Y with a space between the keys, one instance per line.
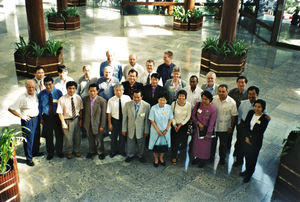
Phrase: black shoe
x=128 y=159
x=90 y=155
x=101 y=156
x=243 y=174
x=237 y=164
x=38 y=154
x=123 y=154
x=195 y=161
x=49 y=156
x=29 y=163
x=155 y=164
x=142 y=159
x=246 y=179
x=222 y=162
x=201 y=164
x=60 y=155
x=162 y=163
x=112 y=155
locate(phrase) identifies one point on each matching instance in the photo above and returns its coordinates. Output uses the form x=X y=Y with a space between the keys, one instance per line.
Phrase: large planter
x=223 y=66
x=20 y=64
x=56 y=23
x=76 y=3
x=72 y=23
x=288 y=178
x=195 y=24
x=9 y=188
x=177 y=25
x=50 y=64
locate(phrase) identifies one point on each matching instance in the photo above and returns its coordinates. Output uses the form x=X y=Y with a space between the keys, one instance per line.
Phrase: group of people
x=140 y=107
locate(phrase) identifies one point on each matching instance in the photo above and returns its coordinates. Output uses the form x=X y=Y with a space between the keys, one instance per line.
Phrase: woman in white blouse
x=182 y=114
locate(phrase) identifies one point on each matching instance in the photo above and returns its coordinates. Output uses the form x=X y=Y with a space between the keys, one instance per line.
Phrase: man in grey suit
x=94 y=120
x=135 y=125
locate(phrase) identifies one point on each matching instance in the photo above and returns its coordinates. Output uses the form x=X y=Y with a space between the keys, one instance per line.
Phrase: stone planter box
x=183 y=26
x=195 y=24
x=72 y=23
x=56 y=24
x=205 y=61
x=50 y=64
x=20 y=64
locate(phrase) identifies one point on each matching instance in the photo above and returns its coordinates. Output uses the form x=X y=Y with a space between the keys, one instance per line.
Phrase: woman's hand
x=247 y=140
x=201 y=126
x=160 y=133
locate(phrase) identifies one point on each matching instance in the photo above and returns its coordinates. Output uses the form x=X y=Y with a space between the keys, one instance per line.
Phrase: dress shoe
x=222 y=162
x=142 y=159
x=77 y=154
x=69 y=156
x=29 y=163
x=155 y=164
x=246 y=179
x=163 y=163
x=195 y=161
x=101 y=156
x=243 y=174
x=123 y=154
x=128 y=159
x=49 y=156
x=90 y=155
x=237 y=163
x=112 y=155
x=38 y=154
x=60 y=155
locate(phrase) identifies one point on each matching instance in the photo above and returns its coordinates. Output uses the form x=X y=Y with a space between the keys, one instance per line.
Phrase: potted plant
x=68 y=19
x=72 y=18
x=196 y=20
x=56 y=20
x=9 y=177
x=21 y=49
x=226 y=59
x=181 y=18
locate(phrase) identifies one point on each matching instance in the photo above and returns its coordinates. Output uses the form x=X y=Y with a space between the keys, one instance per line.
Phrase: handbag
x=160 y=148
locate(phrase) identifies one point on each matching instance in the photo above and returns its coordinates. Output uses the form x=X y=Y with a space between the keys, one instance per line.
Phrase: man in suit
x=94 y=120
x=135 y=125
x=153 y=90
x=131 y=84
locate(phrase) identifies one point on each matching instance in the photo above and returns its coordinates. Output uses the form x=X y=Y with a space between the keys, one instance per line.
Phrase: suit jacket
x=257 y=134
x=98 y=118
x=147 y=94
x=138 y=124
x=126 y=86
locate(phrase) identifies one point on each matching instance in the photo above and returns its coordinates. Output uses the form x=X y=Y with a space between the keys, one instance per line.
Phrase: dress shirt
x=182 y=114
x=243 y=110
x=254 y=120
x=225 y=110
x=106 y=89
x=27 y=104
x=64 y=106
x=117 y=69
x=44 y=101
x=137 y=67
x=237 y=96
x=137 y=107
x=211 y=90
x=39 y=85
x=144 y=77
x=92 y=104
x=165 y=71
x=193 y=97
x=61 y=85
x=83 y=85
x=113 y=105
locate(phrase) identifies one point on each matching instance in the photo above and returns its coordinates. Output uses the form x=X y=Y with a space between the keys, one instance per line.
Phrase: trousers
x=30 y=129
x=117 y=146
x=72 y=136
x=131 y=146
x=96 y=144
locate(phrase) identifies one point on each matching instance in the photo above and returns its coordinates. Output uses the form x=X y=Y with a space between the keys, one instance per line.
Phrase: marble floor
x=274 y=70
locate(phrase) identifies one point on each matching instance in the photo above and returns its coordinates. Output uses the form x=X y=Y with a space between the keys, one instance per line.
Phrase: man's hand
x=64 y=126
x=101 y=130
x=42 y=122
x=80 y=122
x=110 y=127
x=268 y=117
x=229 y=131
x=124 y=133
x=247 y=140
x=146 y=135
x=25 y=117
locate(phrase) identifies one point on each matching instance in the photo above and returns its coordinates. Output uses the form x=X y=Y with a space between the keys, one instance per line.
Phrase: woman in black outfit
x=253 y=130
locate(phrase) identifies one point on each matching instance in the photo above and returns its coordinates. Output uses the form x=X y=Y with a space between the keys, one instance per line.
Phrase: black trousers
x=223 y=137
x=52 y=123
x=251 y=154
x=238 y=146
x=117 y=146
x=178 y=140
x=36 y=141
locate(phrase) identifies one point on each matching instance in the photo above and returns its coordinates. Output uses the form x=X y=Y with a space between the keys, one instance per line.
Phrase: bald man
x=133 y=65
x=26 y=108
x=117 y=67
x=211 y=85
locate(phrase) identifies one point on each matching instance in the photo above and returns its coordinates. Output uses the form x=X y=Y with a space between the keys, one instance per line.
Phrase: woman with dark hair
x=204 y=117
x=160 y=117
x=253 y=130
x=182 y=114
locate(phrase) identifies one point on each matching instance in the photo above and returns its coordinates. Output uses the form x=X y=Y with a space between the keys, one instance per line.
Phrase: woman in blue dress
x=161 y=118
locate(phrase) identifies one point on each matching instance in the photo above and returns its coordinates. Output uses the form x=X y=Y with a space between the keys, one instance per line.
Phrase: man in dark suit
x=153 y=90
x=131 y=84
x=94 y=120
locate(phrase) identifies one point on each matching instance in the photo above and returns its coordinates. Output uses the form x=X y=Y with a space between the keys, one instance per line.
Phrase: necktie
x=41 y=85
x=120 y=110
x=50 y=104
x=73 y=108
x=148 y=80
x=136 y=109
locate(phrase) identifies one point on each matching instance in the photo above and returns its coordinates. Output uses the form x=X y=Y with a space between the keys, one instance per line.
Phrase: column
x=61 y=5
x=189 y=5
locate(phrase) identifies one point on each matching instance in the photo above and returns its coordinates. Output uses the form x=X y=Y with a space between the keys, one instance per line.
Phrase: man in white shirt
x=193 y=91
x=145 y=78
x=27 y=105
x=62 y=80
x=226 y=116
x=114 y=112
x=133 y=65
x=69 y=110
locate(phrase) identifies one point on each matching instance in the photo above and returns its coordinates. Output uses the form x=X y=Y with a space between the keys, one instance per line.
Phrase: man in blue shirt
x=165 y=70
x=48 y=99
x=106 y=84
x=117 y=67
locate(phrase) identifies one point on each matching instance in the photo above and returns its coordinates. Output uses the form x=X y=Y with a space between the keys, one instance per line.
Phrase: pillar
x=229 y=21
x=61 y=5
x=35 y=20
x=189 y=5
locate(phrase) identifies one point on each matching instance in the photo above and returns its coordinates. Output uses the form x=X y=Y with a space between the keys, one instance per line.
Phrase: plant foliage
x=196 y=14
x=71 y=12
x=53 y=46
x=180 y=14
x=52 y=13
x=21 y=47
x=37 y=50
